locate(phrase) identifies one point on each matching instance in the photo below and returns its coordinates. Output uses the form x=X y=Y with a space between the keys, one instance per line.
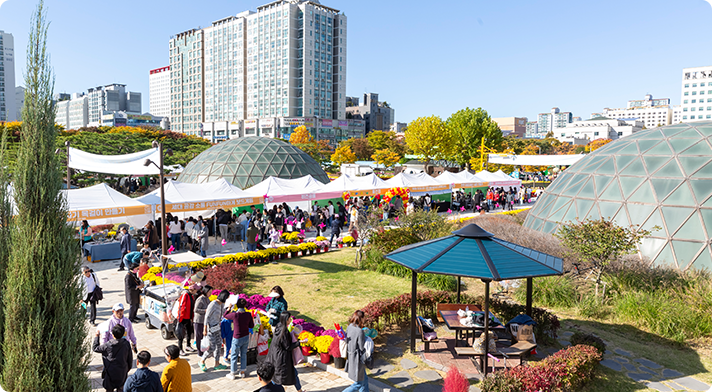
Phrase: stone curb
x=373 y=385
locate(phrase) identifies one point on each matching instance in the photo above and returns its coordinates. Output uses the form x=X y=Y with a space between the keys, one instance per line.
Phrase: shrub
x=501 y=382
x=226 y=277
x=387 y=241
x=550 y=291
x=455 y=381
x=590 y=340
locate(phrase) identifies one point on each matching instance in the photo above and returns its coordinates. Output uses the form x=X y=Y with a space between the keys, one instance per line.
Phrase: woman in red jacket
x=185 y=318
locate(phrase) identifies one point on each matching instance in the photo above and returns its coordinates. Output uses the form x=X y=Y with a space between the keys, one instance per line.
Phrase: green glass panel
x=700 y=148
x=285 y=172
x=691 y=164
x=594 y=163
x=613 y=192
x=624 y=160
x=227 y=171
x=630 y=149
x=621 y=218
x=705 y=171
x=705 y=130
x=571 y=215
x=608 y=167
x=557 y=215
x=583 y=206
x=655 y=219
x=682 y=196
x=575 y=183
x=653 y=134
x=222 y=157
x=679 y=145
x=703 y=261
x=300 y=159
x=594 y=214
x=289 y=159
x=691 y=230
x=630 y=184
x=269 y=149
x=651 y=246
x=217 y=169
x=645 y=145
x=587 y=189
x=533 y=224
x=639 y=212
x=560 y=201
x=234 y=158
x=690 y=133
x=545 y=209
x=685 y=252
x=707 y=220
x=258 y=170
x=635 y=168
x=660 y=149
x=262 y=160
x=575 y=168
x=665 y=257
x=644 y=194
x=707 y=203
x=254 y=155
x=608 y=210
x=271 y=171
x=549 y=227
x=674 y=217
x=248 y=159
x=242 y=170
x=560 y=183
x=670 y=131
x=702 y=189
x=663 y=187
x=601 y=183
x=671 y=169
x=613 y=147
x=654 y=163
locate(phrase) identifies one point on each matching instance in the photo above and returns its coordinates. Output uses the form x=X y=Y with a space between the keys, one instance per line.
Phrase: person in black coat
x=280 y=354
x=342 y=213
x=125 y=246
x=132 y=289
x=117 y=358
x=335 y=228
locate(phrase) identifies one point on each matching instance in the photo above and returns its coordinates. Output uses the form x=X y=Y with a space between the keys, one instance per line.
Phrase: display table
x=111 y=250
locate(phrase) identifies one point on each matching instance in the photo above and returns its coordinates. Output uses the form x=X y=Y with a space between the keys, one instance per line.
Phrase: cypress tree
x=5 y=227
x=45 y=348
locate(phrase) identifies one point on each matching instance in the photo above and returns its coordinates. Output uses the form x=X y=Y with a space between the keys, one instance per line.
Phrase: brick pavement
x=112 y=282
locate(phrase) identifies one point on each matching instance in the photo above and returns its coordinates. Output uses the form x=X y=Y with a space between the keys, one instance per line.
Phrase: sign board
x=211 y=205
x=327 y=123
x=100 y=213
x=266 y=123
x=250 y=123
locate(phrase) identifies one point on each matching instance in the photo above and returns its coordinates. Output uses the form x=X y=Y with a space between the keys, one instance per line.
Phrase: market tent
x=101 y=204
x=200 y=199
x=418 y=183
x=356 y=185
x=499 y=180
x=279 y=190
x=475 y=253
x=506 y=177
x=463 y=179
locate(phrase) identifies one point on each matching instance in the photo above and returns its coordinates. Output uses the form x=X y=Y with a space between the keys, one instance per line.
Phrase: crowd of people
x=228 y=325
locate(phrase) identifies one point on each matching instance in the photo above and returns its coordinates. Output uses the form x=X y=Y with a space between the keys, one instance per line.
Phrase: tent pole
x=413 y=301
x=487 y=293
x=529 y=296
x=458 y=289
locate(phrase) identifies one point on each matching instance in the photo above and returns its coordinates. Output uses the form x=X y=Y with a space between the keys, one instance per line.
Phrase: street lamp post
x=164 y=234
x=69 y=171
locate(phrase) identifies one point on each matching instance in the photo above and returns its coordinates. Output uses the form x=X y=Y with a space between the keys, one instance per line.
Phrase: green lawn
x=324 y=288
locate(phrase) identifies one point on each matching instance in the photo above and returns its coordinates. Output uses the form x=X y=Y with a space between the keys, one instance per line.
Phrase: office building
x=159 y=92
x=399 y=128
x=333 y=131
x=19 y=101
x=549 y=122
x=8 y=109
x=124 y=119
x=72 y=110
x=696 y=94
x=584 y=132
x=515 y=126
x=652 y=112
x=111 y=98
x=286 y=60
x=378 y=116
x=532 y=129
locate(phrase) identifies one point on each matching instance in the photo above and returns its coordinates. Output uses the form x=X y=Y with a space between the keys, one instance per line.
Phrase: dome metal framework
x=658 y=177
x=247 y=161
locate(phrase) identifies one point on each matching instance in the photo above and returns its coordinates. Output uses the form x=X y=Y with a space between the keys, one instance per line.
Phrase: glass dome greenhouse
x=658 y=177
x=247 y=161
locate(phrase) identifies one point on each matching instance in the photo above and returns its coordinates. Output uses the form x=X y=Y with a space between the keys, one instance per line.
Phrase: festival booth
x=354 y=186
x=497 y=181
x=295 y=192
x=100 y=204
x=420 y=184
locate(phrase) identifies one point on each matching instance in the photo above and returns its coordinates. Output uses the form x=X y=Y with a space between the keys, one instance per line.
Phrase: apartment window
x=702 y=85
x=686 y=93
x=693 y=101
x=685 y=101
x=694 y=84
x=687 y=85
x=694 y=93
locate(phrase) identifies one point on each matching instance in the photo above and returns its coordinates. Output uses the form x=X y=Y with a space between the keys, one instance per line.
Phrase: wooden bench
x=455 y=307
x=518 y=350
x=422 y=335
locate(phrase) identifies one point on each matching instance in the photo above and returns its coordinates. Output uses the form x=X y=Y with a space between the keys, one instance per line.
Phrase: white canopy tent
x=418 y=183
x=185 y=199
x=355 y=185
x=295 y=191
x=463 y=179
x=100 y=204
x=499 y=180
x=129 y=164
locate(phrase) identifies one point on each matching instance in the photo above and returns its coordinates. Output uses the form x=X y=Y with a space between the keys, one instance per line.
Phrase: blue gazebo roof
x=475 y=253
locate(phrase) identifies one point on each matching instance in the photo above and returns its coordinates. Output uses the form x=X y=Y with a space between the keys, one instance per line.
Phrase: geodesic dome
x=247 y=161
x=658 y=177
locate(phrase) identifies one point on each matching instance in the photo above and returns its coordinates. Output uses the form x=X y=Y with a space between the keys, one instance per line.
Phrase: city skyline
x=524 y=61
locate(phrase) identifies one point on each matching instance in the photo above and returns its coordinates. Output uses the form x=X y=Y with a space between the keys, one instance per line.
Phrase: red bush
x=455 y=381
x=228 y=276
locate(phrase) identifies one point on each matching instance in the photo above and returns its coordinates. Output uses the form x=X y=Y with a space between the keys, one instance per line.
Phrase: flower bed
x=568 y=370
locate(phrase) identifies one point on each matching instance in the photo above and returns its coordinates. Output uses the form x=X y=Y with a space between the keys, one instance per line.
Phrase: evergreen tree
x=45 y=348
x=5 y=229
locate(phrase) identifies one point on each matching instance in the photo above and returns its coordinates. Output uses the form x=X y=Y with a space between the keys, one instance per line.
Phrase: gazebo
x=475 y=253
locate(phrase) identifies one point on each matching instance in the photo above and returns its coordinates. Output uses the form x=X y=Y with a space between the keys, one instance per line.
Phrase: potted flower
x=301 y=236
x=293 y=251
x=306 y=341
x=284 y=237
x=349 y=241
x=322 y=344
x=335 y=351
x=339 y=243
x=321 y=238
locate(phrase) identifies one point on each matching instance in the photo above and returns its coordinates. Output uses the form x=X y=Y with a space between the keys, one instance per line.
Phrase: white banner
x=534 y=160
x=130 y=164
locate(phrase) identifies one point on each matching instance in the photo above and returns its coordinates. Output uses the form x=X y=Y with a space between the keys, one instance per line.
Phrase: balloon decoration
x=398 y=191
x=346 y=196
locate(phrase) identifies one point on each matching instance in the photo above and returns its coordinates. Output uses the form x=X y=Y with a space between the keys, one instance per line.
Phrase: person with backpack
x=90 y=288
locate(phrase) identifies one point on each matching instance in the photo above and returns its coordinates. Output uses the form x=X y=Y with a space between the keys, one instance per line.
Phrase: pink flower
x=396 y=218
x=462 y=208
x=449 y=211
x=301 y=232
x=322 y=226
x=223 y=242
x=478 y=208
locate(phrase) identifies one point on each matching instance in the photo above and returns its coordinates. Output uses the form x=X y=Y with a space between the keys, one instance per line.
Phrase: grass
x=324 y=288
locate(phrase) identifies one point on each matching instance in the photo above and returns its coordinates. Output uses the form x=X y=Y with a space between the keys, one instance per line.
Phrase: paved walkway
x=112 y=282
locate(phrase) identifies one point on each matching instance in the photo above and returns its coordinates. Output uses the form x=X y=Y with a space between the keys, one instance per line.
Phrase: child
x=273 y=237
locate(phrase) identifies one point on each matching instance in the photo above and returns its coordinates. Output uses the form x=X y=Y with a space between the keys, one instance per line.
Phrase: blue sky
x=513 y=58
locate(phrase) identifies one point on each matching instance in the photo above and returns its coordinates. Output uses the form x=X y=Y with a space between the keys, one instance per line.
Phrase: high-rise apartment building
x=550 y=122
x=159 y=92
x=287 y=59
x=8 y=110
x=696 y=94
x=19 y=101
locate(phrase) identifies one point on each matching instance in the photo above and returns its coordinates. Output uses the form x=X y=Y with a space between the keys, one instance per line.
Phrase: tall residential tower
x=8 y=111
x=696 y=94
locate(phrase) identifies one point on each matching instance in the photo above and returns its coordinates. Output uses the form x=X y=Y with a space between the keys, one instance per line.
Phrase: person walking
x=90 y=285
x=186 y=308
x=116 y=357
x=213 y=317
x=201 y=306
x=132 y=289
x=143 y=379
x=175 y=231
x=151 y=236
x=335 y=229
x=280 y=354
x=276 y=305
x=242 y=324
x=203 y=238
x=355 y=367
x=124 y=245
x=252 y=233
x=118 y=319
x=265 y=372
x=176 y=375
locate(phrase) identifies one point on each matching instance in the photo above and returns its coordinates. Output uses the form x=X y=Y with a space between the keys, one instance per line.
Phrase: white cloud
x=2 y=1
x=709 y=1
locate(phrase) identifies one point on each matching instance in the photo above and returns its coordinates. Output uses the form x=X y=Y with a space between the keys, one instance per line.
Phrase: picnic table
x=452 y=320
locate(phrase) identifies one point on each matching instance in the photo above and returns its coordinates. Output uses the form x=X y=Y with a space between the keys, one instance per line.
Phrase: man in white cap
x=119 y=319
